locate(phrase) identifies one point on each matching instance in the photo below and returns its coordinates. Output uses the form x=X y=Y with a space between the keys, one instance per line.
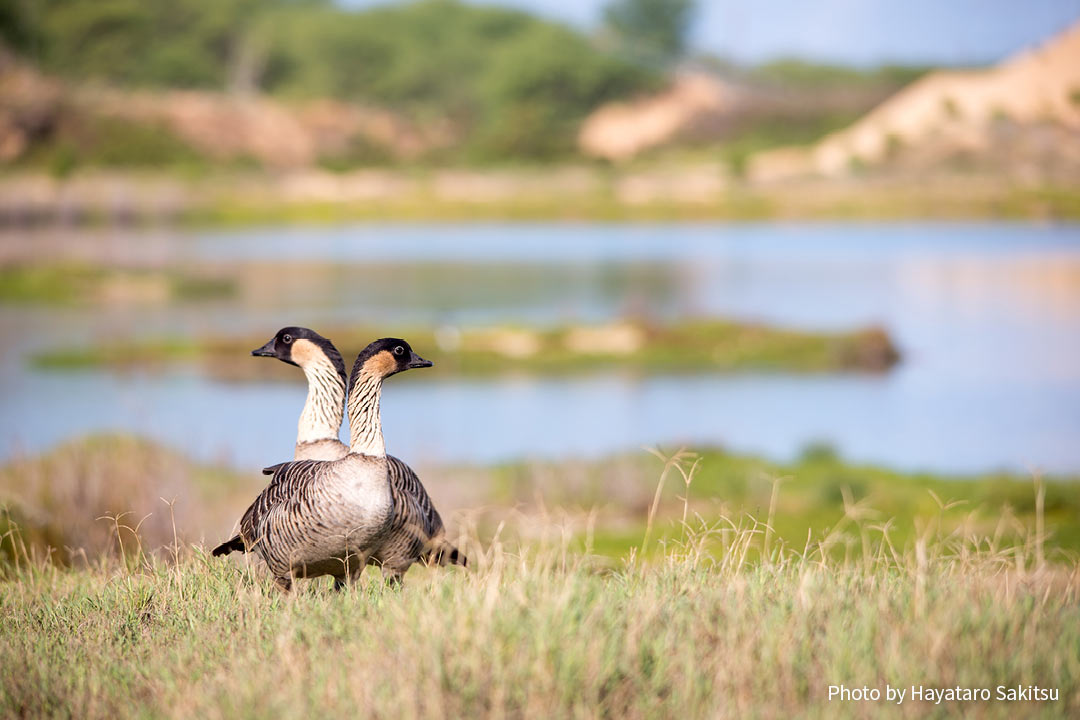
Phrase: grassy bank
x=860 y=199
x=809 y=497
x=698 y=190
x=688 y=346
x=542 y=631
x=58 y=499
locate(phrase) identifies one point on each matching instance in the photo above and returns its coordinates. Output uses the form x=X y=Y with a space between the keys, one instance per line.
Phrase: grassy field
x=707 y=585
x=58 y=499
x=698 y=345
x=541 y=630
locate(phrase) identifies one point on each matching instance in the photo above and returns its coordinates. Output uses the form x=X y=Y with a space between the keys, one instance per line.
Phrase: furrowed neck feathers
x=365 y=390
x=325 y=405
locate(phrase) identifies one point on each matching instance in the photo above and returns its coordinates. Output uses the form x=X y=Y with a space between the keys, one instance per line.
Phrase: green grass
x=689 y=346
x=242 y=211
x=538 y=630
x=741 y=204
x=727 y=595
x=58 y=497
x=1059 y=203
x=229 y=198
x=815 y=493
x=67 y=283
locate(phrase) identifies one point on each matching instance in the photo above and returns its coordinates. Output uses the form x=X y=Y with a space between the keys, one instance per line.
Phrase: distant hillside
x=735 y=110
x=1021 y=118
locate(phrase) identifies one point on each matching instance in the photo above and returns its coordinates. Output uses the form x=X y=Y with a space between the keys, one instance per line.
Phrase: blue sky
x=861 y=32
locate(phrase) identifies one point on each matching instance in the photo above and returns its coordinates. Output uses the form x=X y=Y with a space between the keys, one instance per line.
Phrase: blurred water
x=988 y=316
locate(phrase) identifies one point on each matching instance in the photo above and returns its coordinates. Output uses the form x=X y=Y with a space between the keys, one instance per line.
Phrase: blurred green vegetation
x=152 y=43
x=650 y=32
x=509 y=84
x=688 y=346
x=897 y=200
x=66 y=284
x=816 y=493
x=793 y=72
x=109 y=142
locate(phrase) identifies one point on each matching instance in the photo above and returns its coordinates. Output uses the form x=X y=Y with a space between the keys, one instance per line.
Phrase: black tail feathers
x=235 y=543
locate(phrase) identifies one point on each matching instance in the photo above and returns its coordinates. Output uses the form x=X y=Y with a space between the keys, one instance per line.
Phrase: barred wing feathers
x=290 y=484
x=418 y=528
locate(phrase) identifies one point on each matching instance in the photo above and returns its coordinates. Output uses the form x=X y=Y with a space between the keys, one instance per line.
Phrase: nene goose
x=330 y=517
x=320 y=420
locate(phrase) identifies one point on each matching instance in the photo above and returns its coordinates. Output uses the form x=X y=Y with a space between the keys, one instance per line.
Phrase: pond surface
x=987 y=315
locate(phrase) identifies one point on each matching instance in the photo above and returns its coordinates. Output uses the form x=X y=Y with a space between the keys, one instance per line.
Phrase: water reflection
x=988 y=316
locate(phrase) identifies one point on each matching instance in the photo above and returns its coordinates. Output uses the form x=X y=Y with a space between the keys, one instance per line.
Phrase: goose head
x=302 y=347
x=388 y=356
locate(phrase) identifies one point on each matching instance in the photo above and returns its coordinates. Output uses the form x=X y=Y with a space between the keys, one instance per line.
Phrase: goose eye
x=286 y=338
x=399 y=350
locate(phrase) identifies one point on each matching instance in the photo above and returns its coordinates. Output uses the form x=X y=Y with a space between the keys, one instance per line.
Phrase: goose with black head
x=331 y=517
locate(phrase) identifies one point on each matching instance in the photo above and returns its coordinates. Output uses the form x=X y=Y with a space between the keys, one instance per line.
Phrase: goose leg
x=351 y=577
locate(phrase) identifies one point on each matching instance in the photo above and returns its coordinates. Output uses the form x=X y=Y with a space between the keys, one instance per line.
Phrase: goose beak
x=266 y=350
x=418 y=362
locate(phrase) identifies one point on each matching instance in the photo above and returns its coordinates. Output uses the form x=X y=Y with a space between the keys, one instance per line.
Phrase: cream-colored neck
x=365 y=425
x=322 y=413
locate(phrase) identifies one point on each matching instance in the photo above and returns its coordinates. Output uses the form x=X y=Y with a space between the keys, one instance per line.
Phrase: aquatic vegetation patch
x=707 y=345
x=68 y=284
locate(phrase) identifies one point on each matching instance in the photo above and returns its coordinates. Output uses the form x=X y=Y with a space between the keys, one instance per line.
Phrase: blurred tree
x=510 y=84
x=501 y=80
x=17 y=27
x=175 y=43
x=538 y=90
x=650 y=32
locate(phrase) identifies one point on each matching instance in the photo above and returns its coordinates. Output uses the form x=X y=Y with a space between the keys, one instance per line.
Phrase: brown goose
x=294 y=524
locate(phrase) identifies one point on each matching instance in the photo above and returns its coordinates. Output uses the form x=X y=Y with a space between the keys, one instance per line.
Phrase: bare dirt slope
x=1026 y=110
x=222 y=126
